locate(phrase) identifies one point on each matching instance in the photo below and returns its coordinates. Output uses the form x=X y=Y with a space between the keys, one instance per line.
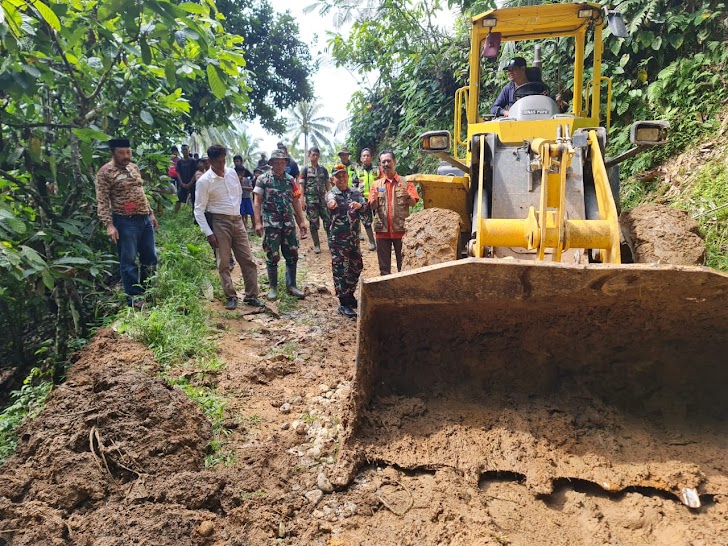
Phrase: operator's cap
x=339 y=168
x=515 y=62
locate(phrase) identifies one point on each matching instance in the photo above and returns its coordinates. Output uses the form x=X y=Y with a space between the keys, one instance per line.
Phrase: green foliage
x=175 y=326
x=706 y=198
x=73 y=73
x=26 y=403
x=418 y=67
x=279 y=63
x=671 y=67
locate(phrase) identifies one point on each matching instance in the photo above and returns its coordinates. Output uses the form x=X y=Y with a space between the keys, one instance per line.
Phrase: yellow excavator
x=528 y=349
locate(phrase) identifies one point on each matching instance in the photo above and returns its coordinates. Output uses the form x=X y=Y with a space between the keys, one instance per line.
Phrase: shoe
x=273 y=282
x=291 y=282
x=347 y=311
x=253 y=302
x=231 y=304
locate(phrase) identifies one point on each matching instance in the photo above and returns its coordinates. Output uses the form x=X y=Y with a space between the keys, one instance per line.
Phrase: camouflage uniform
x=278 y=220
x=315 y=180
x=346 y=259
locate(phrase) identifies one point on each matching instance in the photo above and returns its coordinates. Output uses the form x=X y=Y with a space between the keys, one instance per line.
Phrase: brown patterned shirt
x=119 y=191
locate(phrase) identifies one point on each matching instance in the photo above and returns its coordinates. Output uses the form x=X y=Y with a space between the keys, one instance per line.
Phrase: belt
x=141 y=215
x=231 y=216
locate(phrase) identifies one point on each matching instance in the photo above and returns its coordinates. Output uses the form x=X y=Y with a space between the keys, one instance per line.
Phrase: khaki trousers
x=232 y=237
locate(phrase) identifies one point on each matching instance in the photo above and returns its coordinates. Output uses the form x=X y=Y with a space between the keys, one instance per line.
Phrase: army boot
x=370 y=235
x=316 y=242
x=291 y=282
x=273 y=282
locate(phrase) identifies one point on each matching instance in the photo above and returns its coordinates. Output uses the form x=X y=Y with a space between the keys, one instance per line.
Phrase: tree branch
x=69 y=68
x=30 y=125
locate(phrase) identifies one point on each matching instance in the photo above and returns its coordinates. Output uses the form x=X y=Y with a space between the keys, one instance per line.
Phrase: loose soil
x=662 y=234
x=116 y=457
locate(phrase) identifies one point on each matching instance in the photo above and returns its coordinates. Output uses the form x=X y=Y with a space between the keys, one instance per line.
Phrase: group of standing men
x=381 y=203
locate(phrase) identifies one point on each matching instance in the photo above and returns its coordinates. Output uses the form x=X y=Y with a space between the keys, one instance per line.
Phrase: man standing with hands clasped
x=346 y=207
x=219 y=194
x=130 y=223
x=277 y=199
x=390 y=198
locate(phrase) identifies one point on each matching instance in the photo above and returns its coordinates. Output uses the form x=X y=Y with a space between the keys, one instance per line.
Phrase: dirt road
x=116 y=458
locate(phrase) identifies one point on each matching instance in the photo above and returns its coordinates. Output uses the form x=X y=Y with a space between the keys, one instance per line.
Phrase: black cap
x=118 y=143
x=515 y=62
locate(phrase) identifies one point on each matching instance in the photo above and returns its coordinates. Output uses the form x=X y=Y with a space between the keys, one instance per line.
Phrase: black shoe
x=347 y=311
x=253 y=302
x=231 y=304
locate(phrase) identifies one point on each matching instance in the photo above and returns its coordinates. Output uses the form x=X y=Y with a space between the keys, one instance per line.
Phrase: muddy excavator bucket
x=611 y=374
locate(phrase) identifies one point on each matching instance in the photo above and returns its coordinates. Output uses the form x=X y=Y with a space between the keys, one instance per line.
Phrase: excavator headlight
x=489 y=22
x=587 y=13
x=649 y=133
x=436 y=141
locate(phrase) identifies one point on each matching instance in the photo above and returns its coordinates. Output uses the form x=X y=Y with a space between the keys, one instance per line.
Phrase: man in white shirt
x=219 y=193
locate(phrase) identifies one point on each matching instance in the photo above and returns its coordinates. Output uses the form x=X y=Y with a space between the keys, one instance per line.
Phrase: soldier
x=347 y=207
x=276 y=202
x=368 y=173
x=315 y=181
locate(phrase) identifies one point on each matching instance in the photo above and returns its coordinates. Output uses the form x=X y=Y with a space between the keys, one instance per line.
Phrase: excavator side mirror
x=616 y=23
x=649 y=133
x=436 y=141
x=491 y=46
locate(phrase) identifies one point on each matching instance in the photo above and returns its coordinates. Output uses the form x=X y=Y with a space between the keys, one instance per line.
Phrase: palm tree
x=306 y=121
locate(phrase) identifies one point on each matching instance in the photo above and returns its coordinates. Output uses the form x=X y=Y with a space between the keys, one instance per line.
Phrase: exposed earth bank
x=116 y=458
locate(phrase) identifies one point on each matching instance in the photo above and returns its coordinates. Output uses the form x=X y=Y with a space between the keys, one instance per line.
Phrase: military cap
x=340 y=168
x=279 y=154
x=344 y=150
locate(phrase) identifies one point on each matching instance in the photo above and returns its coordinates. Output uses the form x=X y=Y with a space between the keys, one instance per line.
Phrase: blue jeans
x=136 y=236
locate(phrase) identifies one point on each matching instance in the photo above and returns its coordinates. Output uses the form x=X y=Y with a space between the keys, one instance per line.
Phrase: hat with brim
x=279 y=154
x=344 y=150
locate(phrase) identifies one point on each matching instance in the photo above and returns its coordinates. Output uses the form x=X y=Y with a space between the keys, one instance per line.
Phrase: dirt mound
x=108 y=427
x=661 y=234
x=431 y=237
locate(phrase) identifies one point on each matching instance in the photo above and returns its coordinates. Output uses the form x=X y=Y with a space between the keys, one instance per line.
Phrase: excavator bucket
x=611 y=374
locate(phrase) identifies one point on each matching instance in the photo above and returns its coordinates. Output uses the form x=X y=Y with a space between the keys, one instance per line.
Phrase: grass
x=708 y=190
x=176 y=325
x=289 y=350
x=26 y=404
x=705 y=189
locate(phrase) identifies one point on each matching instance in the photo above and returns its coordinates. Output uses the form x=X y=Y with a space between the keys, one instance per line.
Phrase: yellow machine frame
x=548 y=228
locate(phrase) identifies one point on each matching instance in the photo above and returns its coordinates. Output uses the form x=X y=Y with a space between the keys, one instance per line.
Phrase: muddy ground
x=116 y=457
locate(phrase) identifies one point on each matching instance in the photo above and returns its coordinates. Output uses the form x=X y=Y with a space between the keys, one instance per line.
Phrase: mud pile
x=431 y=238
x=115 y=453
x=662 y=234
